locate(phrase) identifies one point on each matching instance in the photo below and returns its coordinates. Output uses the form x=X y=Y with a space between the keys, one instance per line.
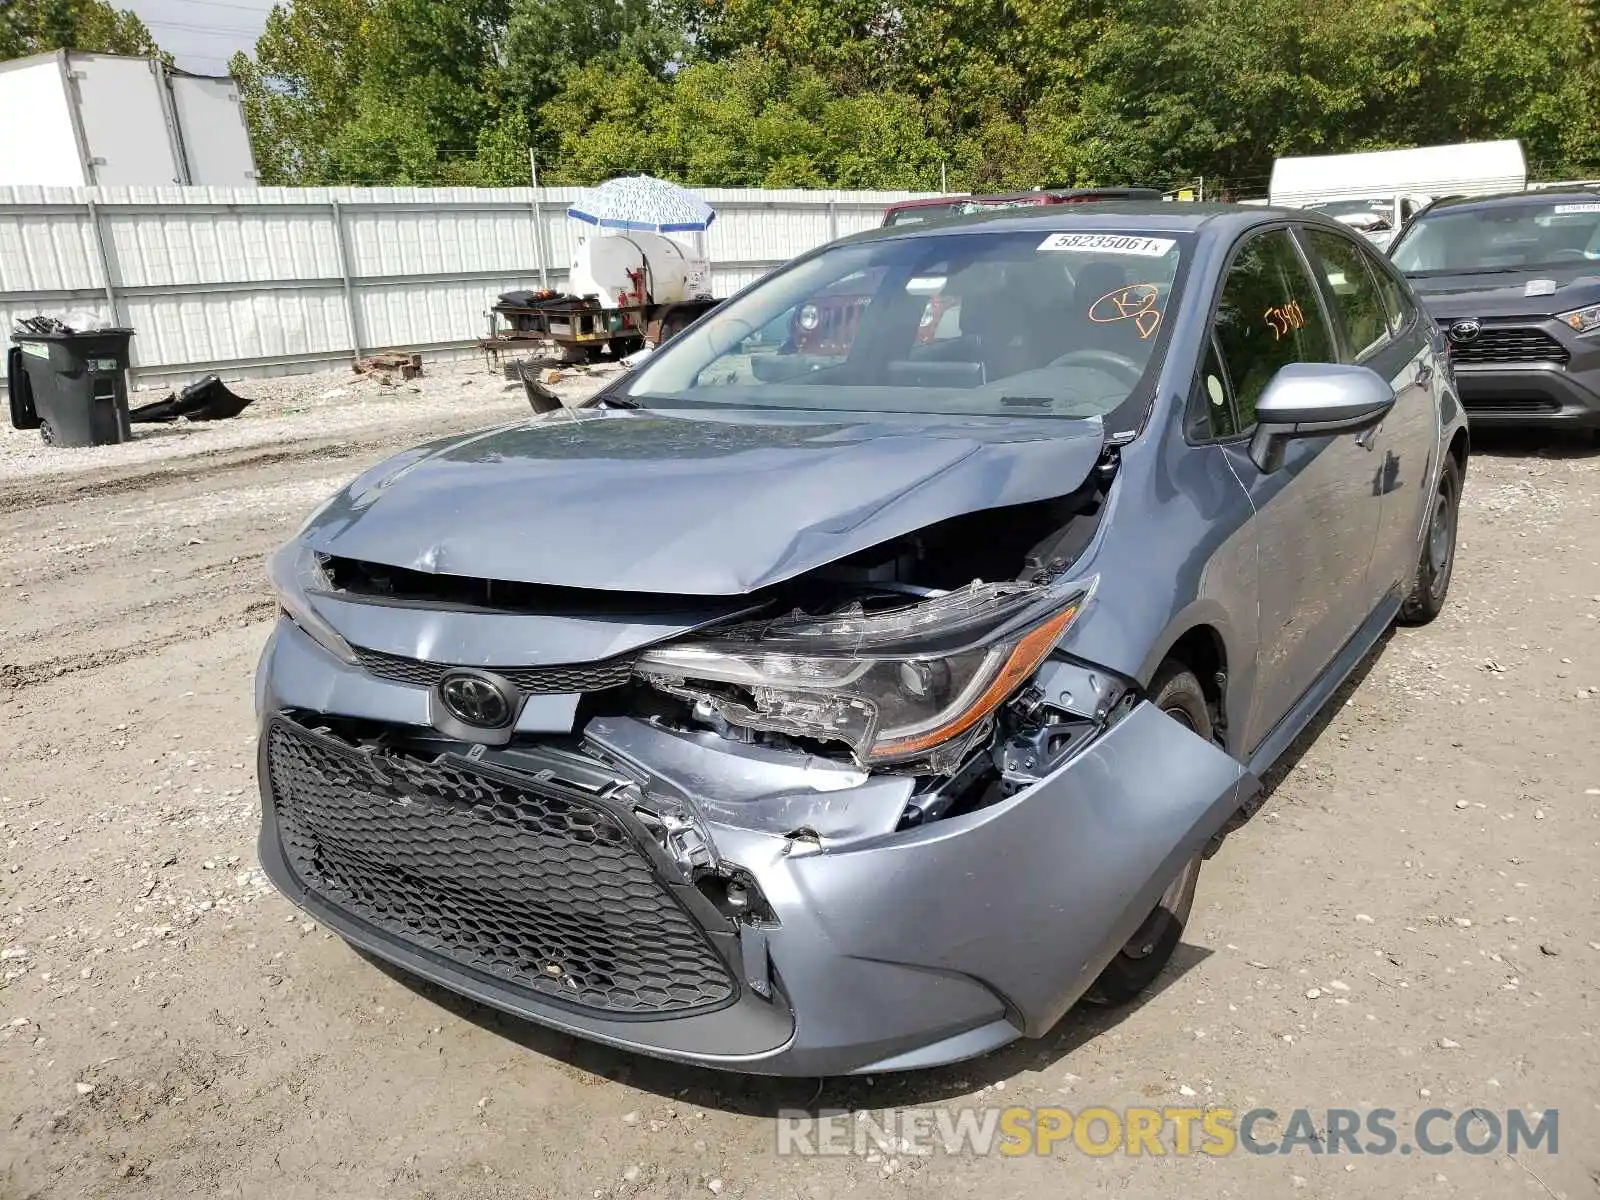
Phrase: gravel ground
x=1408 y=922
x=293 y=408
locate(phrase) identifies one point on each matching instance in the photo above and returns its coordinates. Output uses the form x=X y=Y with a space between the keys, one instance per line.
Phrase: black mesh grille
x=533 y=681
x=526 y=883
x=1509 y=346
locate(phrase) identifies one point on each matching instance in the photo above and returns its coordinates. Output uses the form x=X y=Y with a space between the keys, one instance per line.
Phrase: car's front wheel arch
x=1203 y=644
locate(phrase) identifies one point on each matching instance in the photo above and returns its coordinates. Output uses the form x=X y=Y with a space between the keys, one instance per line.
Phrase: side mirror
x=1306 y=400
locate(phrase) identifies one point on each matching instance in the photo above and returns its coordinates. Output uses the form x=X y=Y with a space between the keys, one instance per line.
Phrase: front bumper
x=885 y=949
x=1560 y=390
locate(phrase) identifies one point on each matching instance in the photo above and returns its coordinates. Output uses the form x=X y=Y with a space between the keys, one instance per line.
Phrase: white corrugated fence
x=256 y=281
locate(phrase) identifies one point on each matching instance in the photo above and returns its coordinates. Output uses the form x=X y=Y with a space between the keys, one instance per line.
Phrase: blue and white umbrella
x=642 y=202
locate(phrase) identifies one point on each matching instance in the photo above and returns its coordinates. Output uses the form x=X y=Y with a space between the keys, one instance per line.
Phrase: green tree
x=300 y=87
x=443 y=59
x=403 y=92
x=885 y=93
x=384 y=143
x=545 y=39
x=745 y=122
x=605 y=121
x=38 y=26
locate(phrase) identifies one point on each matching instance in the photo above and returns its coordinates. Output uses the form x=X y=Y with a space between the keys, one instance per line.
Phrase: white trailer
x=70 y=119
x=1377 y=191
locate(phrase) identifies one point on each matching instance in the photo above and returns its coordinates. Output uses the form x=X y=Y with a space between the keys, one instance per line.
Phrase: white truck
x=70 y=119
x=1377 y=191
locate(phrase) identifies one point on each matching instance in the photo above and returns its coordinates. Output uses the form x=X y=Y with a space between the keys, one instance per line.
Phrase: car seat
x=1096 y=281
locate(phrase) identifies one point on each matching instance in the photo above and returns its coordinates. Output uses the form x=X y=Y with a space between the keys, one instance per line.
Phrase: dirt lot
x=1409 y=922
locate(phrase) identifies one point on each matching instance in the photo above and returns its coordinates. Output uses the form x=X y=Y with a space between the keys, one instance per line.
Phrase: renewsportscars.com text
x=1214 y=1132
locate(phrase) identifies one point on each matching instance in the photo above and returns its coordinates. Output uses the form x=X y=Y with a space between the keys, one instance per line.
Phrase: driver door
x=1315 y=516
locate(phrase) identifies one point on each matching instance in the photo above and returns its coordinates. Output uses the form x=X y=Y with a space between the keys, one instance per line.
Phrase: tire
x=19 y=389
x=1177 y=692
x=1438 y=558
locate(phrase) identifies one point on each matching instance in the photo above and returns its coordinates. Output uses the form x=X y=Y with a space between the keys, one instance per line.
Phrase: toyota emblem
x=1462 y=332
x=476 y=700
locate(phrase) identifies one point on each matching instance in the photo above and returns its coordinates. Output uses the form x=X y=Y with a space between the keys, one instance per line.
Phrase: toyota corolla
x=816 y=713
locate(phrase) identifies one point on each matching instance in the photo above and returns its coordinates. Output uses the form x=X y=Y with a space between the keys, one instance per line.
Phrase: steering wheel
x=1106 y=360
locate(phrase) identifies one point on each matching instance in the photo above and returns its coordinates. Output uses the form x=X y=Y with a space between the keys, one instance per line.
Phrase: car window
x=1212 y=415
x=1268 y=316
x=1536 y=233
x=1395 y=300
x=1348 y=272
x=1043 y=321
x=918 y=214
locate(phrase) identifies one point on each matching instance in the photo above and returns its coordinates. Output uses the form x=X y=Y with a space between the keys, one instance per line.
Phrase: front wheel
x=1176 y=692
x=1438 y=558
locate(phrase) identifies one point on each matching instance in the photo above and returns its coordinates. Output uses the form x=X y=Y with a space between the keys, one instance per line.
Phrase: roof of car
x=1503 y=199
x=1151 y=216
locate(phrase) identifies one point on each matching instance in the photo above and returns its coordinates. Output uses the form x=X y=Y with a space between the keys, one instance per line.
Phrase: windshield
x=1351 y=208
x=1052 y=324
x=922 y=212
x=1369 y=213
x=1503 y=238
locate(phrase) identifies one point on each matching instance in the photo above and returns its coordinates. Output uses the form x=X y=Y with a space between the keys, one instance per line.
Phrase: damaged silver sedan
x=863 y=701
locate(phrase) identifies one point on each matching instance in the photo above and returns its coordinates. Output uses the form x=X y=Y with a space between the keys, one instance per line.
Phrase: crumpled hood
x=690 y=502
x=1488 y=297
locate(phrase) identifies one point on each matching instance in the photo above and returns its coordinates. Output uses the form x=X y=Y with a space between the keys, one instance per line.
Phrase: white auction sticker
x=1563 y=209
x=1109 y=243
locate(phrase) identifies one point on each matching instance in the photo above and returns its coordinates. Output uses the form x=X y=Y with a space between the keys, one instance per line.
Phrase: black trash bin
x=78 y=383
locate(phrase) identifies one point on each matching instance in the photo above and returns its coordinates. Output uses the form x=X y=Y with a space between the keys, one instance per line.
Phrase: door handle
x=1368 y=438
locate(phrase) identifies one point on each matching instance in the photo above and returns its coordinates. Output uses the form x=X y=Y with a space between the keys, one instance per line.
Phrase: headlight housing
x=296 y=574
x=1581 y=320
x=914 y=682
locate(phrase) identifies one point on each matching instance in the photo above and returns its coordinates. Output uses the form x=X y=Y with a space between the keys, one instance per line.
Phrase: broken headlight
x=296 y=572
x=893 y=685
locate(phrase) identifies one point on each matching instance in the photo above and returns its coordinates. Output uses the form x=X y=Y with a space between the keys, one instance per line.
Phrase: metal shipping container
x=69 y=119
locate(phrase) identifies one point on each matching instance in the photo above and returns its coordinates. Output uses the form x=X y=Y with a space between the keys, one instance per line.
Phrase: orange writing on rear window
x=1281 y=318
x=1136 y=303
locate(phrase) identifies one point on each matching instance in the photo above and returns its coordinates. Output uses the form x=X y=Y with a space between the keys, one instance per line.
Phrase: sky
x=202 y=35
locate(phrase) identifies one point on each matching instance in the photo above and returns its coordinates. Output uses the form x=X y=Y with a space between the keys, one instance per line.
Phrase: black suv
x=1514 y=283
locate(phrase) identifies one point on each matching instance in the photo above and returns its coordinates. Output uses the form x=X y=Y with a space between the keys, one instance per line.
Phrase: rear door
x=1315 y=516
x=1387 y=335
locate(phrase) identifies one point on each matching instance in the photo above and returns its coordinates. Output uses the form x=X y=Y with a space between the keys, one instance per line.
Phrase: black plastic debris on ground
x=540 y=398
x=206 y=399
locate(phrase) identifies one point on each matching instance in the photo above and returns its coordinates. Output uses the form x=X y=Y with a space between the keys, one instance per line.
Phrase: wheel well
x=1459 y=447
x=1202 y=651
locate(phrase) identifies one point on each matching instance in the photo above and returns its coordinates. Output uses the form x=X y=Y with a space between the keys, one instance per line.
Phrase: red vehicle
x=827 y=325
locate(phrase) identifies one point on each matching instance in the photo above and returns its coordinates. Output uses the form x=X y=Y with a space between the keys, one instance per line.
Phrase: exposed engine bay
x=914 y=659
